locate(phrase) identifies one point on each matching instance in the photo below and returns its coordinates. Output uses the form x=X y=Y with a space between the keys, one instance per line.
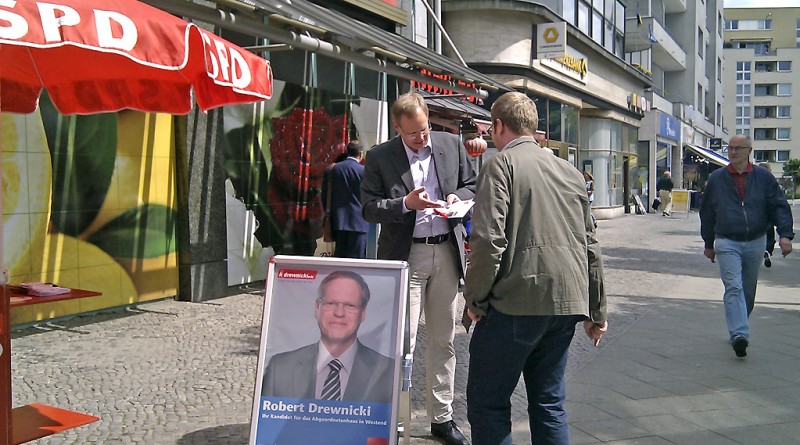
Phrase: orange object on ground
x=34 y=421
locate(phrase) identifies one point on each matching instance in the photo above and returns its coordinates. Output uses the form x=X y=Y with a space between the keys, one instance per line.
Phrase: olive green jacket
x=533 y=246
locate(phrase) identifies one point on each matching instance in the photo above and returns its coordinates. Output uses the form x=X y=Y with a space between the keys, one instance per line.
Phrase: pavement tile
x=607 y=430
x=701 y=438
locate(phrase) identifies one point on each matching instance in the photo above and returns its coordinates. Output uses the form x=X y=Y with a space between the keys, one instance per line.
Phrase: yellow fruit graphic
x=143 y=170
x=26 y=176
x=70 y=262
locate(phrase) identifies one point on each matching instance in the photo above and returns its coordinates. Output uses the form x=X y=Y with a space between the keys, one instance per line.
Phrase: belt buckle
x=428 y=241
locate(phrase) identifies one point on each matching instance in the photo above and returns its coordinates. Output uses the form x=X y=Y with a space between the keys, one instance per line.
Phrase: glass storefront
x=276 y=153
x=609 y=153
x=560 y=122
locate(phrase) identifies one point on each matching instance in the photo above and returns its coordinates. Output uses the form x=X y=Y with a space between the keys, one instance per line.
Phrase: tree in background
x=792 y=168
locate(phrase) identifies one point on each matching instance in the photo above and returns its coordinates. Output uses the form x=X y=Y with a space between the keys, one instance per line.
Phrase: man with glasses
x=740 y=203
x=404 y=180
x=339 y=366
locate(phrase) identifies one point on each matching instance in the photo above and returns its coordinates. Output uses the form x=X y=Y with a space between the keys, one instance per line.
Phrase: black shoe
x=740 y=346
x=767 y=259
x=449 y=432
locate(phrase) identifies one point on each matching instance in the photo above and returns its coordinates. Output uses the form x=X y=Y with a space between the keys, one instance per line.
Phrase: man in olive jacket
x=535 y=270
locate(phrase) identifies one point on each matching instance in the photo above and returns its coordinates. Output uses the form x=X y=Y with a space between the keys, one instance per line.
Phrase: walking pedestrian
x=740 y=202
x=404 y=180
x=664 y=188
x=535 y=271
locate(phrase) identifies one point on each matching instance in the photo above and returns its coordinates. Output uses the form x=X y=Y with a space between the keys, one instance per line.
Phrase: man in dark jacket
x=740 y=203
x=664 y=188
x=349 y=226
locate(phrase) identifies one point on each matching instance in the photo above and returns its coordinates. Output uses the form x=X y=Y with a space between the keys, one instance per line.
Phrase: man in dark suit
x=338 y=367
x=404 y=180
x=349 y=227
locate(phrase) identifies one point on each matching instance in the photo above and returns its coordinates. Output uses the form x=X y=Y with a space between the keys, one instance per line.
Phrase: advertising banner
x=329 y=362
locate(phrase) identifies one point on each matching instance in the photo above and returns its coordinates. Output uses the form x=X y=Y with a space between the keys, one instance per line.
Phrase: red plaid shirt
x=740 y=178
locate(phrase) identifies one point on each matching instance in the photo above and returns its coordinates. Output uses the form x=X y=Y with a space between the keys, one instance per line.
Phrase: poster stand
x=680 y=202
x=333 y=361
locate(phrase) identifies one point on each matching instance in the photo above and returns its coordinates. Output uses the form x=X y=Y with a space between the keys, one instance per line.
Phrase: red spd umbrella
x=108 y=55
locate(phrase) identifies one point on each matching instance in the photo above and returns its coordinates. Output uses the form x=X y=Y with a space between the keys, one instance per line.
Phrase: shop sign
x=444 y=91
x=574 y=65
x=715 y=144
x=551 y=40
x=669 y=127
x=638 y=104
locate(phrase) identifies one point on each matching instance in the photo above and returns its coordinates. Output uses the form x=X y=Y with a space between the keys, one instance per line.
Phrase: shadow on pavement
x=223 y=434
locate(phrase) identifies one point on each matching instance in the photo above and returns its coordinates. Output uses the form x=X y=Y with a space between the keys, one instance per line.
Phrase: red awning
x=108 y=55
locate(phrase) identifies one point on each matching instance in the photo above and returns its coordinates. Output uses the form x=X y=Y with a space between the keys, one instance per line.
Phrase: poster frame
x=285 y=298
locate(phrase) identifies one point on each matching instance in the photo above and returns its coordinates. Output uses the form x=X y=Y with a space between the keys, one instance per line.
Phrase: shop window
x=554 y=120
x=570 y=118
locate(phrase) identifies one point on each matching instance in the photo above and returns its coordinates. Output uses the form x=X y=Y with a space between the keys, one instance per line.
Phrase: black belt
x=436 y=239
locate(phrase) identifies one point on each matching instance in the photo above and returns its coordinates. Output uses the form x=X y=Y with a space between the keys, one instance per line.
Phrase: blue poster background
x=290 y=421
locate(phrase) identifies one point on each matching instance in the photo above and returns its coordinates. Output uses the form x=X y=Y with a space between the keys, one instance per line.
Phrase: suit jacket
x=345 y=209
x=387 y=179
x=293 y=374
x=533 y=246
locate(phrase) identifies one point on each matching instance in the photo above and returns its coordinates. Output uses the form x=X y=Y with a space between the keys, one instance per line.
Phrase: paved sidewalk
x=183 y=373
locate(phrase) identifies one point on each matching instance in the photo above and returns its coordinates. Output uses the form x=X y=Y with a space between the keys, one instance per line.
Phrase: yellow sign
x=680 y=201
x=575 y=64
x=550 y=35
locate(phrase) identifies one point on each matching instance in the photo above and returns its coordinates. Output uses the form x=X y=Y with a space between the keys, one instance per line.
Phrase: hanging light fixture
x=476 y=146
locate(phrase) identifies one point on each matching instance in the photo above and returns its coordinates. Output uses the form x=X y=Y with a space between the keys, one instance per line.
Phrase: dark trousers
x=770 y=240
x=505 y=346
x=350 y=244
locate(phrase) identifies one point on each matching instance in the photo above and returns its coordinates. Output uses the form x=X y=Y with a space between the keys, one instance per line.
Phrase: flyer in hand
x=457 y=209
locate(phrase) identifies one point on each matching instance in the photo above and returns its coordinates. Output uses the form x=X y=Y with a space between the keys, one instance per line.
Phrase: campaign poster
x=329 y=363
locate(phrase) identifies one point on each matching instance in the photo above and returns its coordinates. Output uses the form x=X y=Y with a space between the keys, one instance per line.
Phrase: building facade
x=762 y=50
x=679 y=43
x=587 y=95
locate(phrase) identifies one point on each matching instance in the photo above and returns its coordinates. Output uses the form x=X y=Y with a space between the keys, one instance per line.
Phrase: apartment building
x=762 y=57
x=679 y=43
x=587 y=97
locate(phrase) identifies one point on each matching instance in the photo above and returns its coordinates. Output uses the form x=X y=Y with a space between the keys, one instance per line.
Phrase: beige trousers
x=666 y=201
x=433 y=287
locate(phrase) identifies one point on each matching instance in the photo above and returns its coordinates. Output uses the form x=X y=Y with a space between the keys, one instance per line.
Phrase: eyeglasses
x=737 y=147
x=334 y=305
x=417 y=134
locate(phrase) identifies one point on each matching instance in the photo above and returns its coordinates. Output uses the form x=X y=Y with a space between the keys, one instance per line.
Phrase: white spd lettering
x=54 y=17
x=226 y=63
x=105 y=37
x=52 y=22
x=17 y=28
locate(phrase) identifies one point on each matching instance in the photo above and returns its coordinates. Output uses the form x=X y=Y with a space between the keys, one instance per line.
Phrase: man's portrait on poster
x=333 y=363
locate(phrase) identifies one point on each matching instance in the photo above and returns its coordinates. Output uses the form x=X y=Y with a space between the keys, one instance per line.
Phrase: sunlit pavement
x=183 y=373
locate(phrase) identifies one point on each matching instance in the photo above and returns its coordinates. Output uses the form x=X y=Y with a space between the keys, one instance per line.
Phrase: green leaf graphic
x=147 y=231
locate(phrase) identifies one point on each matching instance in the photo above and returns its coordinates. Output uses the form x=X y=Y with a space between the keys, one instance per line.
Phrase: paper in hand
x=457 y=209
